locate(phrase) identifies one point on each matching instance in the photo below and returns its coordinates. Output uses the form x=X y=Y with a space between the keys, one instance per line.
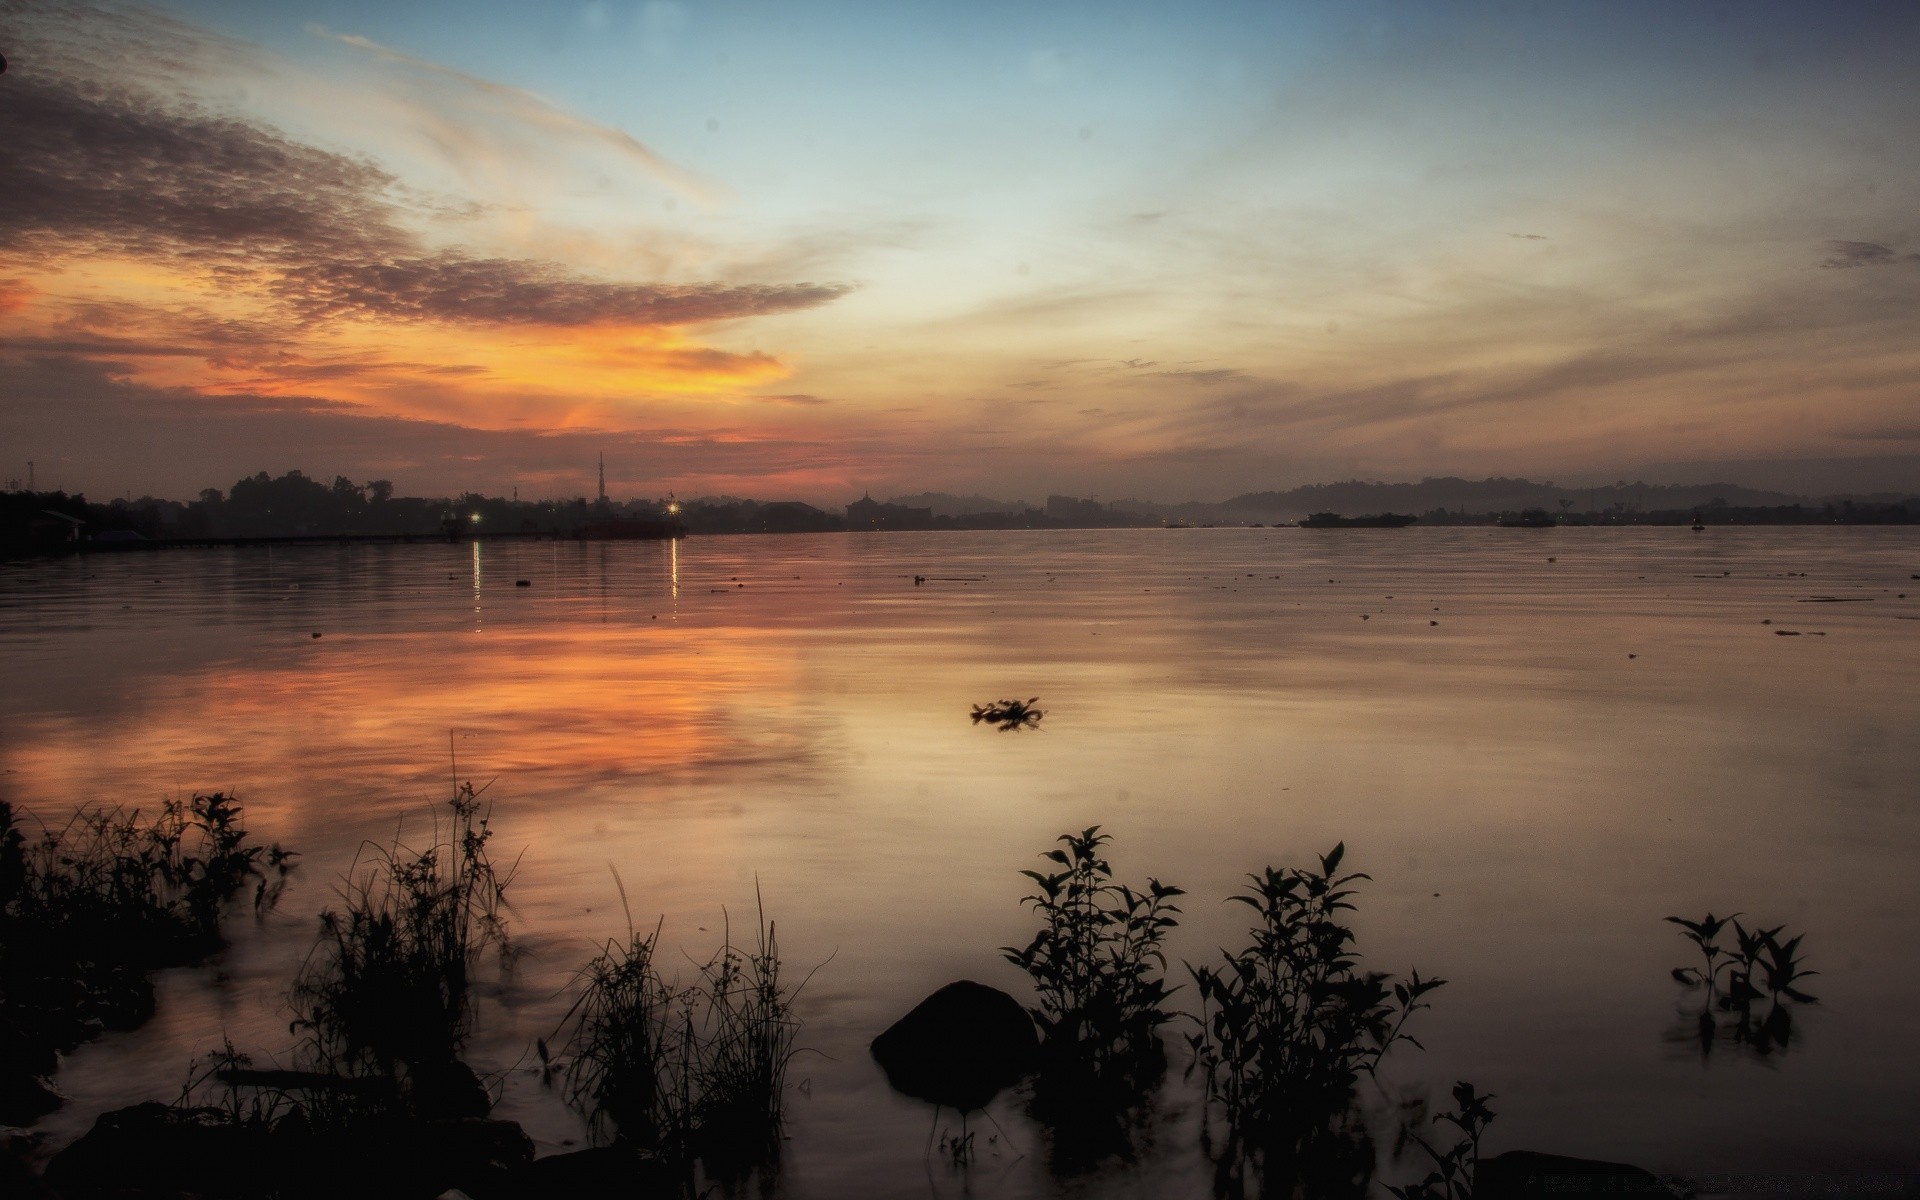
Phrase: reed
x=689 y=1074
x=89 y=907
x=389 y=983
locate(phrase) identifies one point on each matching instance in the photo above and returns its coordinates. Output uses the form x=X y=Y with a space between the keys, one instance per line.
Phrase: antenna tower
x=603 y=479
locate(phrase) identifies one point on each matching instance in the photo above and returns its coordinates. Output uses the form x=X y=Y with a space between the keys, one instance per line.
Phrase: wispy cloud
x=453 y=287
x=1842 y=255
x=472 y=97
x=97 y=171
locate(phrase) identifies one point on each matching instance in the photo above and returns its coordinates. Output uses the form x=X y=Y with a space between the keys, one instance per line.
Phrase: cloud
x=1211 y=375
x=1884 y=433
x=1530 y=237
x=1842 y=255
x=471 y=96
x=98 y=169
x=112 y=171
x=86 y=418
x=500 y=291
x=798 y=399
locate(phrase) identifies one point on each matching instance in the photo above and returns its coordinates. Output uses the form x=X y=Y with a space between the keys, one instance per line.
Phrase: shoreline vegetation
x=681 y=1084
x=294 y=506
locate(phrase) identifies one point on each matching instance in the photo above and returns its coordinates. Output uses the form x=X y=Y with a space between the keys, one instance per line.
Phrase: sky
x=806 y=250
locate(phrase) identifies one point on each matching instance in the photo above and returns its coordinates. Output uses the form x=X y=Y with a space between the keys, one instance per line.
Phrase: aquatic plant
x=619 y=1047
x=1289 y=1024
x=90 y=907
x=1455 y=1168
x=1009 y=715
x=148 y=888
x=389 y=982
x=693 y=1073
x=1760 y=966
x=1097 y=967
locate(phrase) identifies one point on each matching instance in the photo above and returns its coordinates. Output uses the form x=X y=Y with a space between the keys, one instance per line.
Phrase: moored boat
x=1336 y=521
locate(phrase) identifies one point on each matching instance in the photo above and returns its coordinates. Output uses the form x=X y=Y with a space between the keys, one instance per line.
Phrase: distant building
x=868 y=513
x=1068 y=510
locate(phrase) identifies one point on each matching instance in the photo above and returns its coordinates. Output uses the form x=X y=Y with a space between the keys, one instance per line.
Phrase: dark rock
x=477 y=1156
x=959 y=1046
x=1526 y=1175
x=17 y=1179
x=25 y=1097
x=449 y=1091
x=156 y=1150
x=607 y=1171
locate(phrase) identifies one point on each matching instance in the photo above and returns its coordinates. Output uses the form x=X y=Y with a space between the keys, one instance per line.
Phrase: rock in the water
x=1527 y=1175
x=18 y=1180
x=448 y=1091
x=959 y=1046
x=154 y=1149
x=25 y=1098
x=603 y=1171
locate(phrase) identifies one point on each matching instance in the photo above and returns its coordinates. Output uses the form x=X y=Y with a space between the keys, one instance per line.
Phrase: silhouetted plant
x=1705 y=935
x=88 y=908
x=620 y=1041
x=1454 y=1168
x=1097 y=966
x=154 y=885
x=1289 y=1024
x=1759 y=967
x=389 y=982
x=686 y=1073
x=1009 y=714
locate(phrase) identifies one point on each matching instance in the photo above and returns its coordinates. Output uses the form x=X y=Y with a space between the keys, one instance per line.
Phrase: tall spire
x=603 y=478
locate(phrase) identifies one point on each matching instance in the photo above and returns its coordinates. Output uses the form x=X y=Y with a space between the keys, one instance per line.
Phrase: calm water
x=1600 y=731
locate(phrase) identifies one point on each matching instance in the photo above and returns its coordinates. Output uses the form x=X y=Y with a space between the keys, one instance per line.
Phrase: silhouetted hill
x=946 y=504
x=1493 y=495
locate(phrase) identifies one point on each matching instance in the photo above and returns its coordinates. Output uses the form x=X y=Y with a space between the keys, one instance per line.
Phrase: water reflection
x=1523 y=785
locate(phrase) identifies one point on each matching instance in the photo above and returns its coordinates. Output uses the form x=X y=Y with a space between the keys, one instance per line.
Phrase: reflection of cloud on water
x=369 y=724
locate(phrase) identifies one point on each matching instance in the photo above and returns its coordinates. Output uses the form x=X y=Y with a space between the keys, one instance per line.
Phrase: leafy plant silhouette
x=1763 y=977
x=1097 y=965
x=1289 y=1024
x=1455 y=1168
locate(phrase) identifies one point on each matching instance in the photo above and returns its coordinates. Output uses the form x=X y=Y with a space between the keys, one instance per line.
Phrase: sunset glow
x=794 y=252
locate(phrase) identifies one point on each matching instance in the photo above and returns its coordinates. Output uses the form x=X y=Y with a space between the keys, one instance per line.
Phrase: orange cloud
x=14 y=295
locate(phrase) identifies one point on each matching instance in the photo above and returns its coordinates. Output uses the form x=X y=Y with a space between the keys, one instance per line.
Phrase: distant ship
x=617 y=529
x=1532 y=518
x=1336 y=521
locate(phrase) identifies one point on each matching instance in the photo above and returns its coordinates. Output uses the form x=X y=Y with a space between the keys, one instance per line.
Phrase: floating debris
x=1009 y=714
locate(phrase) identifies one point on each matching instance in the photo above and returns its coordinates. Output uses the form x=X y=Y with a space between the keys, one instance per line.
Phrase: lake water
x=1539 y=743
